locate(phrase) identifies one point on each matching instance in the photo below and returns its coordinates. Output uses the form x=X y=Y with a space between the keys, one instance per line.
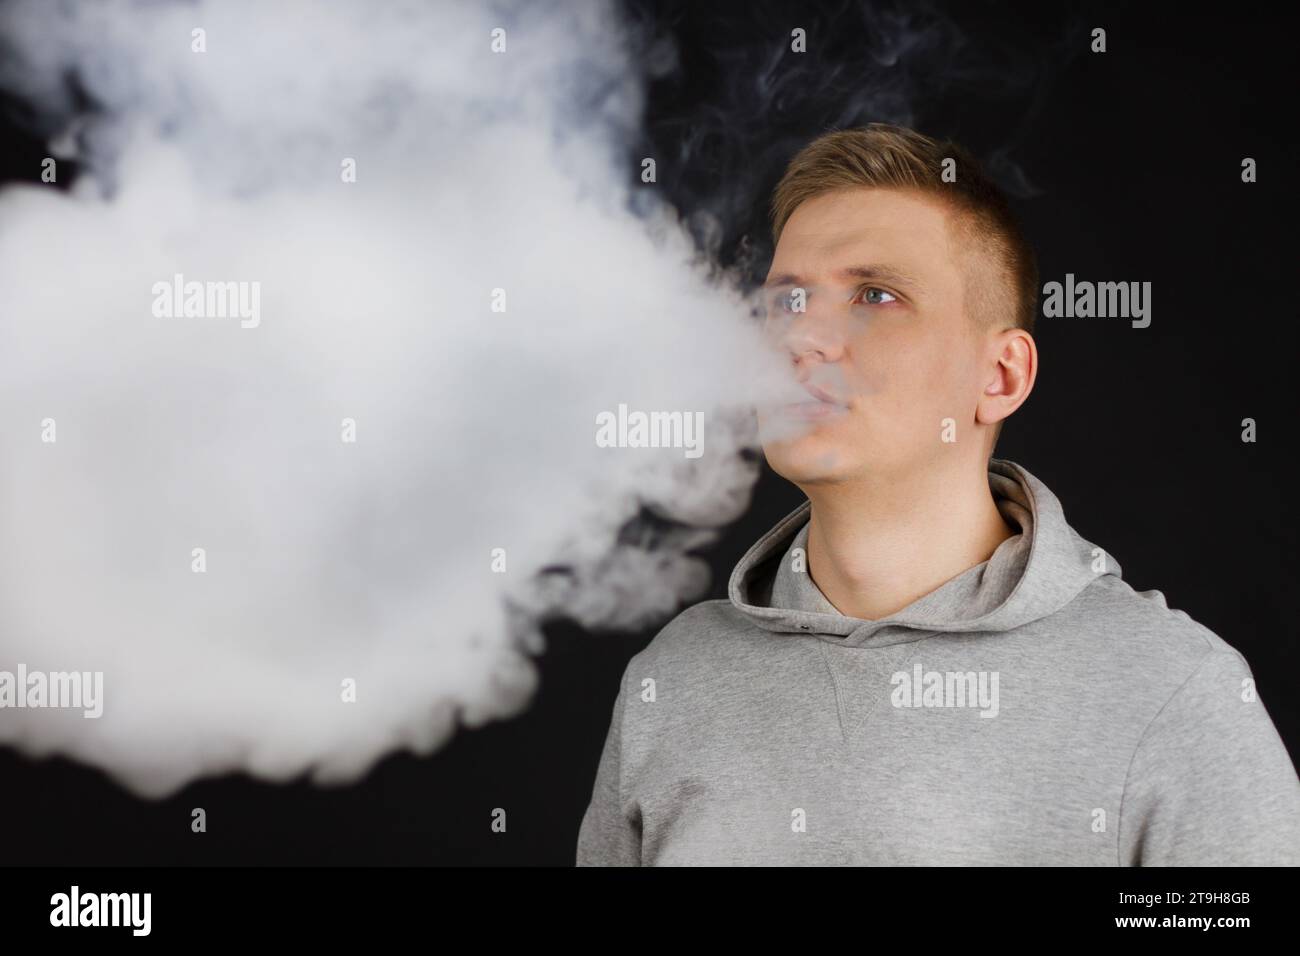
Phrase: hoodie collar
x=1030 y=575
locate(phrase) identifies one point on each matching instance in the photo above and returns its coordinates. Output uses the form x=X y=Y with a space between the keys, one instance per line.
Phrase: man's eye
x=785 y=301
x=869 y=289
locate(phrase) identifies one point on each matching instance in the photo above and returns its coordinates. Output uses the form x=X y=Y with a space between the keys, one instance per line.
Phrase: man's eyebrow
x=878 y=273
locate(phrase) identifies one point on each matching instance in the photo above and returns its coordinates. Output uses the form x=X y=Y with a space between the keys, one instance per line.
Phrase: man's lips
x=821 y=405
x=821 y=395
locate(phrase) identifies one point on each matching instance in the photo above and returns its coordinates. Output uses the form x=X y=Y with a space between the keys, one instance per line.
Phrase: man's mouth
x=820 y=405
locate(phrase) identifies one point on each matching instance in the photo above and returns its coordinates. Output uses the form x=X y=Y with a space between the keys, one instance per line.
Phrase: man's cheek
x=870 y=379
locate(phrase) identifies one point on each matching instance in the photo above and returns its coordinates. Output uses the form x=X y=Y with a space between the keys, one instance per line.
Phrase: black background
x=1124 y=166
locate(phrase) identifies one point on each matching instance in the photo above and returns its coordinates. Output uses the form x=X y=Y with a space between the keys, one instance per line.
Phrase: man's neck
x=875 y=546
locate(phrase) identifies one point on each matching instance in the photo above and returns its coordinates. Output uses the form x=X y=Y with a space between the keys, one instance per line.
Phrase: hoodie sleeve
x=1211 y=783
x=610 y=835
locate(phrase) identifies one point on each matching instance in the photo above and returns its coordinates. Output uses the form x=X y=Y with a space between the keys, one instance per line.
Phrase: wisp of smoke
x=418 y=559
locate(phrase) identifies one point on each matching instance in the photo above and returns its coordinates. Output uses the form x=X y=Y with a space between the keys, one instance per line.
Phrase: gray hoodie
x=1033 y=710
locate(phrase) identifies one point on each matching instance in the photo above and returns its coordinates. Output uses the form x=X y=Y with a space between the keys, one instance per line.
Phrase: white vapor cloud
x=475 y=429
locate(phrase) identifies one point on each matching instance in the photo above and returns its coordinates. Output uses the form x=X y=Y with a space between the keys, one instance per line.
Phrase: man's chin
x=807 y=450
x=809 y=459
x=795 y=425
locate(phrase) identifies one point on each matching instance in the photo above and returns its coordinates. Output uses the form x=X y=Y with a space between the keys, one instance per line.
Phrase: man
x=924 y=663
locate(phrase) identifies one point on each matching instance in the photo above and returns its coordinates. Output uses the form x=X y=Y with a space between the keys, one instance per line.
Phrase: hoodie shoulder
x=1145 y=626
x=699 y=632
x=1210 y=781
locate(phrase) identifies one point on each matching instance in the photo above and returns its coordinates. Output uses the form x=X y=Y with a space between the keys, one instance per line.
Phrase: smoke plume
x=465 y=310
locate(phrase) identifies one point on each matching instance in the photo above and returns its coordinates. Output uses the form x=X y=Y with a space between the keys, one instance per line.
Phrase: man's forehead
x=836 y=235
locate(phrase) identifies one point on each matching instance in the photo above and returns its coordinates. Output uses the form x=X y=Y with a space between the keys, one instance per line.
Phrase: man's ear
x=1011 y=365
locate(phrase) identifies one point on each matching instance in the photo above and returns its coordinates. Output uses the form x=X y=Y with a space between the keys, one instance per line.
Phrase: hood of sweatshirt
x=1029 y=576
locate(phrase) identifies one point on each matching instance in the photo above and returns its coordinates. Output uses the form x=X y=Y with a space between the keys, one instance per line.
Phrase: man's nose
x=818 y=331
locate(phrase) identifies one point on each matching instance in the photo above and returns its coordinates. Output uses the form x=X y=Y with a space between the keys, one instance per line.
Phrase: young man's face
x=886 y=337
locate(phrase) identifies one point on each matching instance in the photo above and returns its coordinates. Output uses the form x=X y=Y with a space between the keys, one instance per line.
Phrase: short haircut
x=885 y=156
